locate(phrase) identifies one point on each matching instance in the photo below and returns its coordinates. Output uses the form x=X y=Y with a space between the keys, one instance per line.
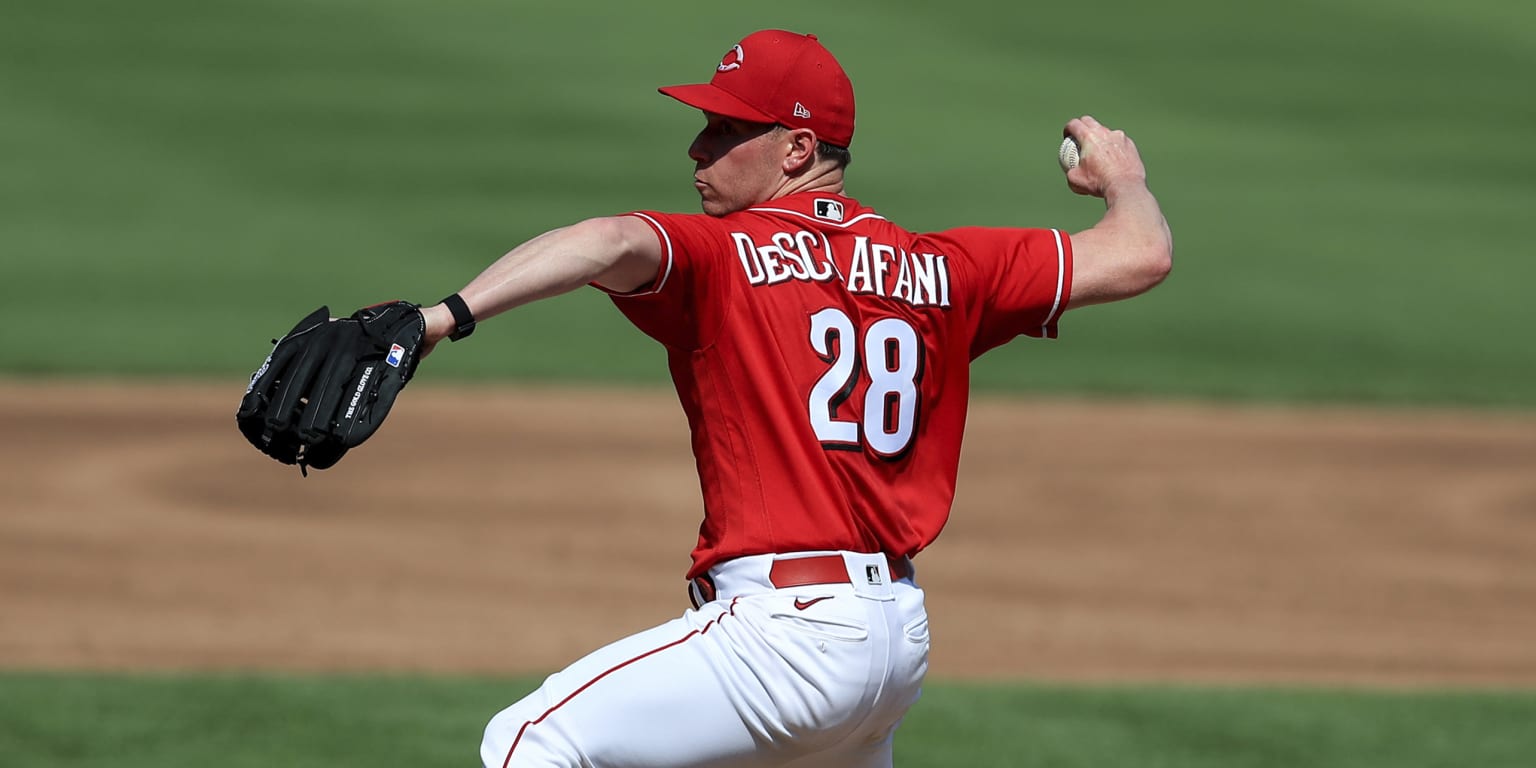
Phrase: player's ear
x=799 y=151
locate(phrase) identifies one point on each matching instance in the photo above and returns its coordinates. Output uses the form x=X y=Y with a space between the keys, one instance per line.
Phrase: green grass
x=168 y=721
x=1348 y=182
x=1064 y=727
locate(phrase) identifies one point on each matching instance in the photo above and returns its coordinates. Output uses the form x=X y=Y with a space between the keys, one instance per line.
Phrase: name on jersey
x=875 y=269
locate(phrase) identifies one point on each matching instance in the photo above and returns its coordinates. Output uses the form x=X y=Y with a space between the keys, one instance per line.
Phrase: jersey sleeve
x=683 y=306
x=1016 y=281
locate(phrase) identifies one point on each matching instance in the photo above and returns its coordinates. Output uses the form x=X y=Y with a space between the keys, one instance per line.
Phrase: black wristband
x=463 y=321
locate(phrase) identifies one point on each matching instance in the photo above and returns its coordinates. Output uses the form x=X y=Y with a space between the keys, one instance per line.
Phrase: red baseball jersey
x=822 y=355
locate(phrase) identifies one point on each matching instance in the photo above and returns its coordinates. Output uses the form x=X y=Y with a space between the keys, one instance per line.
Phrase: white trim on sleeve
x=666 y=240
x=1061 y=279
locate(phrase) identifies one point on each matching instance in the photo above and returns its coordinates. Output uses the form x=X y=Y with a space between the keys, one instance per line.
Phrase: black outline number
x=893 y=357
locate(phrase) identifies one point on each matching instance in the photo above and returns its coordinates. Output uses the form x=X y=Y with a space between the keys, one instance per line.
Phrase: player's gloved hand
x=329 y=383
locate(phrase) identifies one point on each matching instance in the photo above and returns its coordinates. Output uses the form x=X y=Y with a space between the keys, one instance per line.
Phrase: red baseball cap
x=774 y=76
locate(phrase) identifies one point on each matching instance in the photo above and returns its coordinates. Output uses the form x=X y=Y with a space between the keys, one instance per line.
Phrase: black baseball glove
x=328 y=384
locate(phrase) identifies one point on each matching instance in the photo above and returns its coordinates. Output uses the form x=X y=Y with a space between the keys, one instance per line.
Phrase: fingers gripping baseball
x=1105 y=157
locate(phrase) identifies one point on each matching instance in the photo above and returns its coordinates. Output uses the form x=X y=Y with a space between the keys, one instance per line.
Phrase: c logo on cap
x=733 y=59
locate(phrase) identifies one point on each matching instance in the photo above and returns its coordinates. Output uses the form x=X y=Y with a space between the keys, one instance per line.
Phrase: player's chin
x=714 y=206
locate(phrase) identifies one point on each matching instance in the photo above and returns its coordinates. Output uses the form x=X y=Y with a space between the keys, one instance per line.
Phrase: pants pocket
x=829 y=627
x=916 y=630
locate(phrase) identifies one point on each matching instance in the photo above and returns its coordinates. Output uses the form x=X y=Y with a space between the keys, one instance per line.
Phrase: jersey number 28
x=891 y=357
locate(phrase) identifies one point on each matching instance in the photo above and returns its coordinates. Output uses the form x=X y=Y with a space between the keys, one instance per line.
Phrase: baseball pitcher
x=821 y=354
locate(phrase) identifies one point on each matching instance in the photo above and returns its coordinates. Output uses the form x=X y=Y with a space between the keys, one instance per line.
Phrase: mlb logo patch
x=396 y=352
x=830 y=210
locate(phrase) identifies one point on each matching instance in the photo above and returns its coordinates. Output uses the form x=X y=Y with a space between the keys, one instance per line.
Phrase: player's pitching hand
x=1106 y=158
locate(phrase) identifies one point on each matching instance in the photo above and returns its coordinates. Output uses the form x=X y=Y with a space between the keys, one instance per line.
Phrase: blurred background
x=1333 y=479
x=1347 y=183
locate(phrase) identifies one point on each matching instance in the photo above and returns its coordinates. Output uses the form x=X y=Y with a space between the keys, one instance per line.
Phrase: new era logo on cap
x=801 y=111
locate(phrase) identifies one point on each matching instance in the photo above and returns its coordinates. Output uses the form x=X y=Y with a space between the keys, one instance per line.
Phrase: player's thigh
x=875 y=755
x=668 y=696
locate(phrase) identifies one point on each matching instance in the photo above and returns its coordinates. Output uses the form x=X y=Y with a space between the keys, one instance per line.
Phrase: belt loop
x=872 y=575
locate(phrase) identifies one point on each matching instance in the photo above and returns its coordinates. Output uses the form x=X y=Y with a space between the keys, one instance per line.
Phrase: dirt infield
x=502 y=531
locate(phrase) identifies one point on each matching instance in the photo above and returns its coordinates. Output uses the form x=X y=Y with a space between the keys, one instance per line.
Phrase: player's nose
x=697 y=151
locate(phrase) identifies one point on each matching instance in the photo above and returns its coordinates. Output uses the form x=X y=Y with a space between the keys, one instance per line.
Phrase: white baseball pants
x=810 y=675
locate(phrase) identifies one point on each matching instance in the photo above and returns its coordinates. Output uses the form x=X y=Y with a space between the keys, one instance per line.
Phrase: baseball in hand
x=1068 y=154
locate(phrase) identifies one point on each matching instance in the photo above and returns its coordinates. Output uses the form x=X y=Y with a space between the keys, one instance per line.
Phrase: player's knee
x=523 y=735
x=502 y=734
